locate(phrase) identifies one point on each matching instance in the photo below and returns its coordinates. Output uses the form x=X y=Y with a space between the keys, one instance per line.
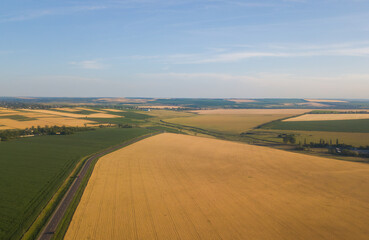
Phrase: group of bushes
x=333 y=148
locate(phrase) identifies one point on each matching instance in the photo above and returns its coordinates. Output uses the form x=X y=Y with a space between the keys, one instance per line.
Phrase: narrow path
x=51 y=226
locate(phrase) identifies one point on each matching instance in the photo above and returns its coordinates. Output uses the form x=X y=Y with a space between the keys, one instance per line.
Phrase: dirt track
x=49 y=230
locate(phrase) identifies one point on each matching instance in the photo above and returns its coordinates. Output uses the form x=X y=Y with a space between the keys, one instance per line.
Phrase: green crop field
x=359 y=125
x=18 y=117
x=350 y=138
x=33 y=168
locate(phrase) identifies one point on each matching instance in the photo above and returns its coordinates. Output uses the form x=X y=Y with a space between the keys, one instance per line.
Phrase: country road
x=58 y=214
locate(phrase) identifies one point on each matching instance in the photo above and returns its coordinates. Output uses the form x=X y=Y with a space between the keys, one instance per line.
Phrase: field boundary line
x=63 y=206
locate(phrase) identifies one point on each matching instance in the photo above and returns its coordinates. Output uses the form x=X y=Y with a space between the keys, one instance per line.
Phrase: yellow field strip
x=113 y=110
x=74 y=115
x=253 y=111
x=183 y=187
x=327 y=117
x=59 y=121
x=67 y=109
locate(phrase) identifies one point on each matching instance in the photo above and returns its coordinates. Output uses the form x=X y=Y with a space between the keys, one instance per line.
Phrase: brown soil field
x=327 y=117
x=253 y=111
x=183 y=187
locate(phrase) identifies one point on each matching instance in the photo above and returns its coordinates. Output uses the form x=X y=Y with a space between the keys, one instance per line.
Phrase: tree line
x=334 y=147
x=6 y=135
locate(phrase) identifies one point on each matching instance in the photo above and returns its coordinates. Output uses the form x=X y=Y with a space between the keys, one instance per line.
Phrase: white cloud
x=237 y=53
x=34 y=14
x=89 y=64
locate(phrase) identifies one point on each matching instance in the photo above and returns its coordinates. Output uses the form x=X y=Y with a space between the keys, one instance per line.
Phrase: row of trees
x=333 y=147
x=6 y=135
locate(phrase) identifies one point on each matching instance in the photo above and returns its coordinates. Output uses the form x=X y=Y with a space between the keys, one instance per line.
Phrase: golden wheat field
x=183 y=187
x=253 y=111
x=327 y=117
x=74 y=115
x=45 y=117
x=227 y=123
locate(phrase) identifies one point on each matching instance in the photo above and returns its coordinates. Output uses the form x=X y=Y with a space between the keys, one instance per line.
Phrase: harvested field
x=58 y=121
x=74 y=115
x=183 y=187
x=327 y=117
x=253 y=111
x=227 y=123
x=163 y=114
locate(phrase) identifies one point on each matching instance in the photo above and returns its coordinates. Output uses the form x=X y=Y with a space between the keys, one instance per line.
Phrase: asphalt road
x=51 y=226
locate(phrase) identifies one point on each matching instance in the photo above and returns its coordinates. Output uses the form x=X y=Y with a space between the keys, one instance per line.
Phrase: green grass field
x=354 y=139
x=359 y=125
x=33 y=168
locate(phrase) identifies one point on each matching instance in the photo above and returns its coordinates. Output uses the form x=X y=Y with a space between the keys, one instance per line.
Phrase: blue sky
x=189 y=48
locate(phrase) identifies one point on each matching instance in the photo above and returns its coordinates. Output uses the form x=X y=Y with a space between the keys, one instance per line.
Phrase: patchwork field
x=70 y=117
x=227 y=123
x=183 y=187
x=253 y=111
x=33 y=168
x=327 y=117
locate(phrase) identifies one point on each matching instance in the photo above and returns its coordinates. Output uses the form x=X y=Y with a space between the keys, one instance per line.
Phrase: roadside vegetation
x=32 y=169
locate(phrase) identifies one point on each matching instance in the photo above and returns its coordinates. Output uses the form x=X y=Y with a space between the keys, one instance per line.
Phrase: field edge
x=65 y=221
